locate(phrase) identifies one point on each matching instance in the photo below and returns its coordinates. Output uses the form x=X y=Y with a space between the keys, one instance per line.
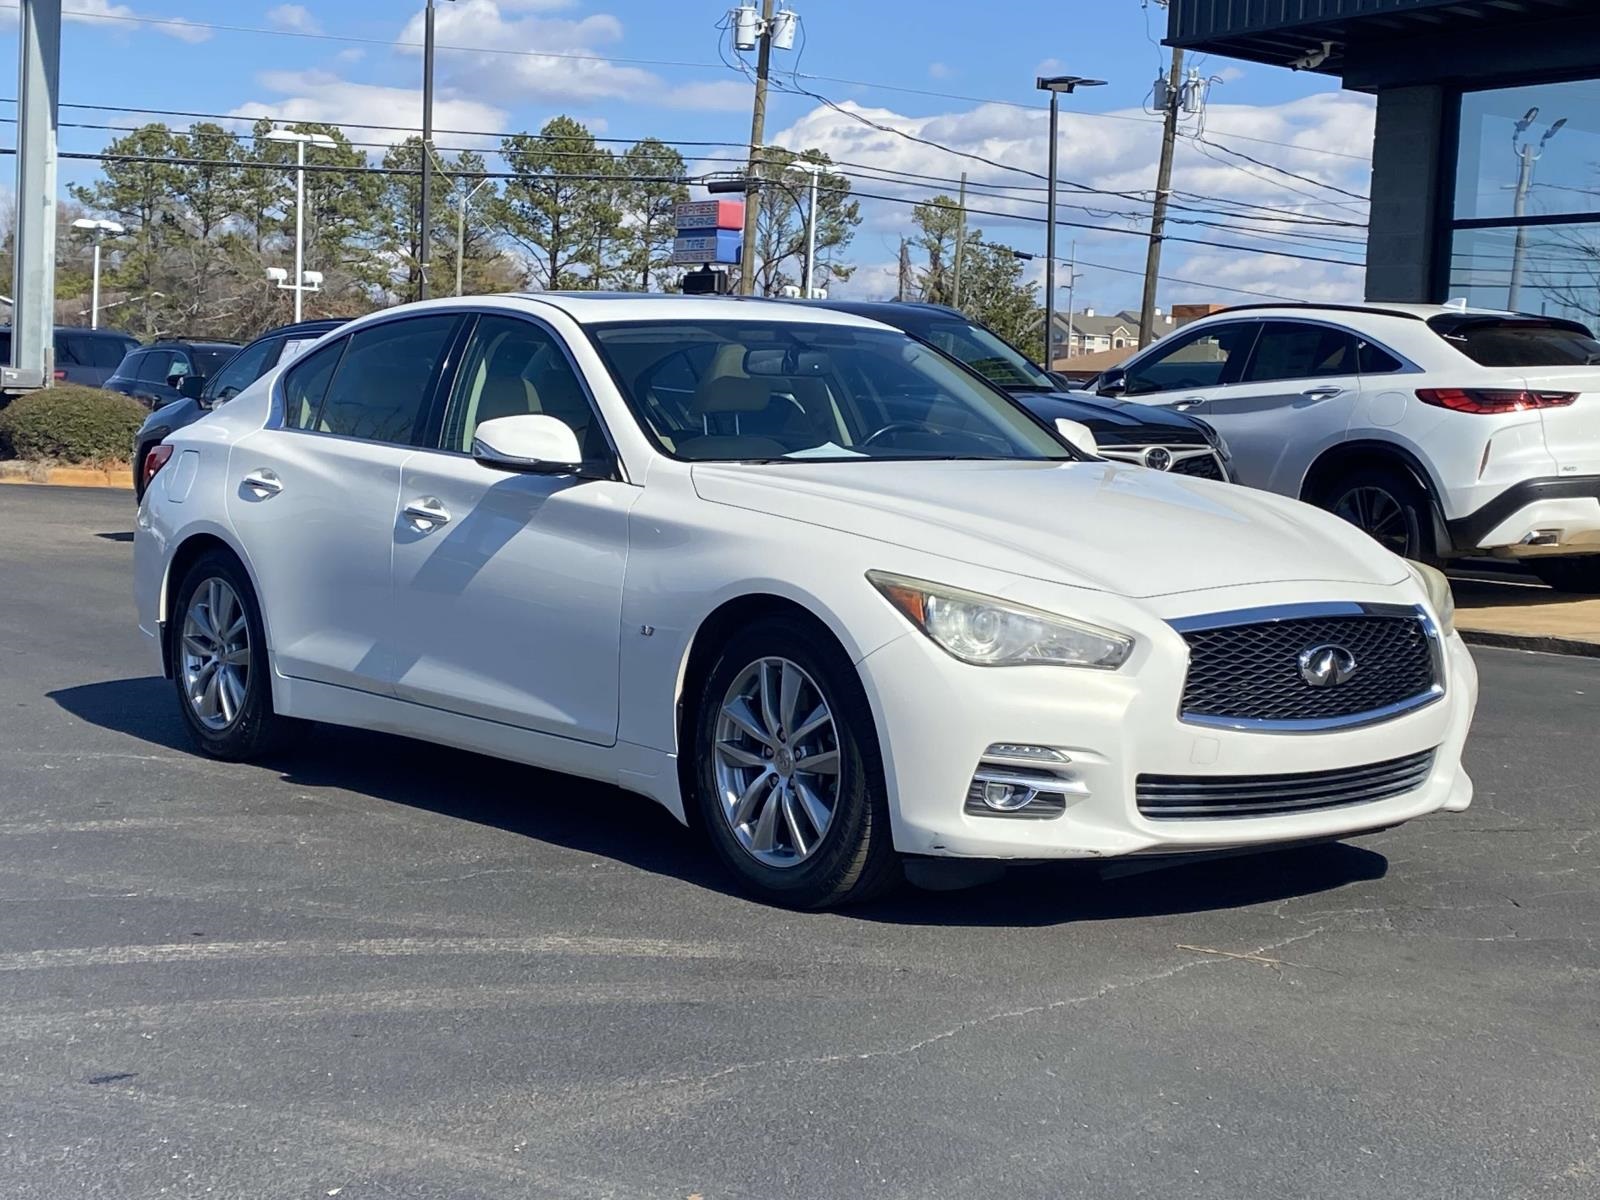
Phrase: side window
x=180 y=365
x=1372 y=361
x=70 y=350
x=305 y=384
x=128 y=368
x=381 y=389
x=1293 y=350
x=1199 y=359
x=153 y=366
x=242 y=370
x=512 y=367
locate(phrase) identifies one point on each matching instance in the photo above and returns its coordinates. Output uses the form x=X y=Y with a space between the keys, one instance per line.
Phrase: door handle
x=1189 y=402
x=1326 y=392
x=427 y=510
x=263 y=482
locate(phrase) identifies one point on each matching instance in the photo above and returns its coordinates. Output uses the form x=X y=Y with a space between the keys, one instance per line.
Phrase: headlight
x=1439 y=595
x=988 y=632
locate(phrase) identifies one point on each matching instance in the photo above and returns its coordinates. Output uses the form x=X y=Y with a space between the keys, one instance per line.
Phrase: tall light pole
x=425 y=214
x=815 y=170
x=461 y=229
x=99 y=230
x=1056 y=85
x=301 y=141
x=1528 y=153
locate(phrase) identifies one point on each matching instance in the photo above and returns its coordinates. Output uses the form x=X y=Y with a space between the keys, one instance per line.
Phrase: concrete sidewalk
x=1504 y=606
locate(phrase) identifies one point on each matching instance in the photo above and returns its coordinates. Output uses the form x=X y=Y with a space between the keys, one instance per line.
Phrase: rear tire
x=1579 y=574
x=219 y=662
x=1389 y=507
x=800 y=838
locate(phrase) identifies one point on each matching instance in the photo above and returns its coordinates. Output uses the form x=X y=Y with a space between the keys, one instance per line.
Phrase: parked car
x=1442 y=431
x=799 y=577
x=239 y=372
x=169 y=370
x=1151 y=437
x=86 y=356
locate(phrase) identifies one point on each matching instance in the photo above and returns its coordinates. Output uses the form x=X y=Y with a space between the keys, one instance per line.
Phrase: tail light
x=1493 y=400
x=155 y=458
x=58 y=375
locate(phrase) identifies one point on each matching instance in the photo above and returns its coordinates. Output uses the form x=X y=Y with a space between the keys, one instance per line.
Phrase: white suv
x=1440 y=430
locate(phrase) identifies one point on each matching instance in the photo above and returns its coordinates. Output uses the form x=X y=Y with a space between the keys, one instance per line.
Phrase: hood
x=1112 y=420
x=1098 y=525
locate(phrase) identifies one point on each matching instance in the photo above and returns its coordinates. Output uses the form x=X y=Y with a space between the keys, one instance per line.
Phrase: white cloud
x=528 y=56
x=350 y=54
x=109 y=15
x=320 y=96
x=1229 y=74
x=295 y=18
x=939 y=70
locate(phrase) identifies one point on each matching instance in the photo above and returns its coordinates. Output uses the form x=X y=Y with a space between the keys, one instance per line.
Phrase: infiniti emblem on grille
x=1325 y=666
x=1158 y=458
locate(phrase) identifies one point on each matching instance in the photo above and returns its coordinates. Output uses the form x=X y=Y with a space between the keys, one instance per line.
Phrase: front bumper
x=1559 y=515
x=937 y=717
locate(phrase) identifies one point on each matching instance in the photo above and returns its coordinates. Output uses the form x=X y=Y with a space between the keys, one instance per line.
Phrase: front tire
x=1389 y=507
x=789 y=779
x=219 y=661
x=1580 y=574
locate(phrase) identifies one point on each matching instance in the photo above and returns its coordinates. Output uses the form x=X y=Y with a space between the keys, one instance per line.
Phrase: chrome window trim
x=1294 y=612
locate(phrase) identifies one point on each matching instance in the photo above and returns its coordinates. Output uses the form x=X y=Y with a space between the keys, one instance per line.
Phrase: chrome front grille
x=1185 y=797
x=1246 y=670
x=1199 y=462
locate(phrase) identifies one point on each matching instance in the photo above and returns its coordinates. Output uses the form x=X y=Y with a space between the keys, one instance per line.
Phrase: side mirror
x=530 y=443
x=187 y=385
x=1065 y=382
x=1111 y=383
x=1079 y=436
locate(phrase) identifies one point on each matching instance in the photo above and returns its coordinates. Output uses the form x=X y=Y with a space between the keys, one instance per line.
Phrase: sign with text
x=713 y=246
x=708 y=214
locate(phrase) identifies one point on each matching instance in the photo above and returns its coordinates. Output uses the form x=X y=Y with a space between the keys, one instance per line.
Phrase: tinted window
x=1197 y=359
x=767 y=389
x=1513 y=343
x=1290 y=350
x=242 y=370
x=205 y=360
x=305 y=384
x=512 y=368
x=153 y=365
x=109 y=351
x=994 y=359
x=1372 y=361
x=71 y=350
x=381 y=389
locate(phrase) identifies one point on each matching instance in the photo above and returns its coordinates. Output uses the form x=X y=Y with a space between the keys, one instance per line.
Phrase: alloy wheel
x=777 y=762
x=1380 y=514
x=215 y=653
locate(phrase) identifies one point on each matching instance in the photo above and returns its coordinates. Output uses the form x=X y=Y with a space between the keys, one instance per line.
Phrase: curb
x=89 y=477
x=1536 y=643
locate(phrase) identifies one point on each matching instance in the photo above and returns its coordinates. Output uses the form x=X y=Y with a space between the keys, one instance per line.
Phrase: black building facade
x=1486 y=154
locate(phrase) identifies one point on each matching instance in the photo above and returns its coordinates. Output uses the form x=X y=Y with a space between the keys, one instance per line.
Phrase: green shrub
x=71 y=425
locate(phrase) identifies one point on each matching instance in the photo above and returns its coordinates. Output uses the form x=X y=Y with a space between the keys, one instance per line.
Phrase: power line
x=1281 y=170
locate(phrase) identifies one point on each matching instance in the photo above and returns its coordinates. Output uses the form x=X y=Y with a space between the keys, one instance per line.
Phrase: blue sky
x=633 y=68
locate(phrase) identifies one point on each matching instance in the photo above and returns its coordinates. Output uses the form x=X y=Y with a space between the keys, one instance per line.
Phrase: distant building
x=1089 y=332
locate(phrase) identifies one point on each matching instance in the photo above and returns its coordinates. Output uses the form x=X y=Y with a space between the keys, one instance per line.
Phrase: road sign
x=715 y=246
x=708 y=214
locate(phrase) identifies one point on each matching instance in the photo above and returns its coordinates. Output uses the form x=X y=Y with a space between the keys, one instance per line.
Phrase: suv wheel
x=1389 y=507
x=788 y=779
x=1581 y=574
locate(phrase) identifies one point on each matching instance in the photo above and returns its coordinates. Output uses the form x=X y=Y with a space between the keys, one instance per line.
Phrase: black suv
x=1150 y=437
x=238 y=373
x=169 y=370
x=86 y=356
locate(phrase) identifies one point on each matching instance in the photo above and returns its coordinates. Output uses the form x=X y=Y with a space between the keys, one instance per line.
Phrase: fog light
x=1008 y=797
x=1014 y=780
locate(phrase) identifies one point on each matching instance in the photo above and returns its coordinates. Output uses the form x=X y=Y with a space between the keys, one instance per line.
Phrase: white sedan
x=805 y=581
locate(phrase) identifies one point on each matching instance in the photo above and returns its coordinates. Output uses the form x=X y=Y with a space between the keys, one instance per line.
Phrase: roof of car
x=1409 y=311
x=592 y=308
x=182 y=341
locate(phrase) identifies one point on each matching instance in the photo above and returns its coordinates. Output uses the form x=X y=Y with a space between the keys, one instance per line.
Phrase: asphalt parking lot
x=373 y=968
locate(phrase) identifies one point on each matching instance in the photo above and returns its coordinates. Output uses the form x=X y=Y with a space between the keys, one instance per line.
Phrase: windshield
x=1514 y=342
x=729 y=391
x=995 y=359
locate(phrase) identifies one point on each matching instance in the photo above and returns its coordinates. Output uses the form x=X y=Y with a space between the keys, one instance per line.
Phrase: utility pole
x=1158 y=215
x=1072 y=287
x=758 y=133
x=34 y=276
x=904 y=291
x=1528 y=154
x=424 y=221
x=961 y=242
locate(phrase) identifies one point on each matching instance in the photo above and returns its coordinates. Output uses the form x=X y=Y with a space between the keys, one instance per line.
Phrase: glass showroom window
x=1526 y=228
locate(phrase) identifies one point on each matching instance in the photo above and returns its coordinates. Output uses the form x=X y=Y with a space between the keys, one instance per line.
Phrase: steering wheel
x=902 y=427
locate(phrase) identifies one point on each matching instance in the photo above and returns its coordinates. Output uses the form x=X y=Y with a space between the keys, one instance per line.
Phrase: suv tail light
x=155 y=458
x=1493 y=400
x=58 y=374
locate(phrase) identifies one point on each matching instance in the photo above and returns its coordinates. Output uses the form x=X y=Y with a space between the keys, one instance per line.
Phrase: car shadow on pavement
x=605 y=821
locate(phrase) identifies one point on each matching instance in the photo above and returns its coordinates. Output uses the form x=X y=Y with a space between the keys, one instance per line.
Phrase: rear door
x=509 y=586
x=313 y=496
x=1293 y=400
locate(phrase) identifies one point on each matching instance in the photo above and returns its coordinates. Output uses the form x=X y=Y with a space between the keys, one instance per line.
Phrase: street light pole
x=1055 y=85
x=461 y=230
x=815 y=170
x=301 y=141
x=1528 y=153
x=99 y=229
x=425 y=215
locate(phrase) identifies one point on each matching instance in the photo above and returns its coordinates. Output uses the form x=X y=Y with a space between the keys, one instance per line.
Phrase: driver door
x=509 y=586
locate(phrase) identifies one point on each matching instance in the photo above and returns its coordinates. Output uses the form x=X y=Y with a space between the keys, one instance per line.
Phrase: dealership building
x=1486 y=153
